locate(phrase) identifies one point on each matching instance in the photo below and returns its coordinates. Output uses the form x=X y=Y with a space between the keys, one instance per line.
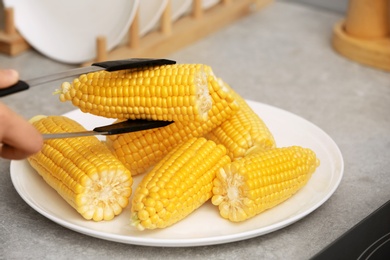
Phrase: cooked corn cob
x=82 y=170
x=179 y=184
x=170 y=92
x=141 y=150
x=243 y=133
x=260 y=181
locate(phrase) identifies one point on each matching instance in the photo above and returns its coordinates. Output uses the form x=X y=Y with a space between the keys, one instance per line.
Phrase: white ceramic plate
x=150 y=12
x=204 y=226
x=180 y=7
x=67 y=30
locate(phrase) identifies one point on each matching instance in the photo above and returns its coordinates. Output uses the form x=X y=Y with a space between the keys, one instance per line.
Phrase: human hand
x=8 y=78
x=18 y=138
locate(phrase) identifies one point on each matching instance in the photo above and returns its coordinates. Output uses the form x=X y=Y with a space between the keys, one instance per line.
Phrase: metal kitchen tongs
x=118 y=128
x=113 y=65
x=113 y=129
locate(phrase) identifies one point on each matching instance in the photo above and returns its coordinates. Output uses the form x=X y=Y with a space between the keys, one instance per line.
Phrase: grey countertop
x=280 y=56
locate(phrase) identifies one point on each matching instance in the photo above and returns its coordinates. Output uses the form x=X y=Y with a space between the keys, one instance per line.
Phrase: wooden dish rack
x=169 y=37
x=11 y=42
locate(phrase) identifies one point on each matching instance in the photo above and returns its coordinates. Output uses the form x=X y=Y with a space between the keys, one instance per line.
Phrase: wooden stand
x=186 y=30
x=365 y=34
x=11 y=42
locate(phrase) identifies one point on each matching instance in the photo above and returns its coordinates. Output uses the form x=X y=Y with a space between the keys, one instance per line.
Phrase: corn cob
x=82 y=170
x=171 y=92
x=179 y=184
x=243 y=133
x=260 y=181
x=141 y=150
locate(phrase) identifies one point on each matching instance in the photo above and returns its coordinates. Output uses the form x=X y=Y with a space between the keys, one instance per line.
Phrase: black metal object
x=367 y=240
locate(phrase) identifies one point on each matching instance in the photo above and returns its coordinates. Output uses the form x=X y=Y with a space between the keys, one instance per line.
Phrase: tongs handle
x=112 y=65
x=17 y=87
x=133 y=63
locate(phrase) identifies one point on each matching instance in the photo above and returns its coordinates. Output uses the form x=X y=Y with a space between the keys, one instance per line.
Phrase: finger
x=12 y=153
x=8 y=78
x=20 y=140
x=19 y=137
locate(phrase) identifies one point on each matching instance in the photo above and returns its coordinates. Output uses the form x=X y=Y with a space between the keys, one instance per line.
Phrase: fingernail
x=11 y=72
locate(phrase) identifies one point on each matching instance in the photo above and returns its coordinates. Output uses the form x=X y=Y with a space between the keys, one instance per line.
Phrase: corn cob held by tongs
x=113 y=65
x=176 y=92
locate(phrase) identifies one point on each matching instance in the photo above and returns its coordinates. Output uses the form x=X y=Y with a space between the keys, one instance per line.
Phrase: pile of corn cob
x=217 y=149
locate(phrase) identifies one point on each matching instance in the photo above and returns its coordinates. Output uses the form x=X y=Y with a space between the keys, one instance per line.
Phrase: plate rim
x=182 y=10
x=153 y=21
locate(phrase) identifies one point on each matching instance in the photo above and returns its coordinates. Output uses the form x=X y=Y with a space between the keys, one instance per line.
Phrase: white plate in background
x=66 y=31
x=180 y=7
x=204 y=226
x=150 y=12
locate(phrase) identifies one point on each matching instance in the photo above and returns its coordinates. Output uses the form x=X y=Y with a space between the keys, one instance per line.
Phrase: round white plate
x=204 y=226
x=150 y=12
x=180 y=7
x=67 y=30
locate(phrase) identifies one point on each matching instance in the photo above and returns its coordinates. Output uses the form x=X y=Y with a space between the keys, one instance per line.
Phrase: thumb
x=8 y=77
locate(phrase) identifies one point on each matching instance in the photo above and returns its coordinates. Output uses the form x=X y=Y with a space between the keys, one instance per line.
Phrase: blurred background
x=339 y=6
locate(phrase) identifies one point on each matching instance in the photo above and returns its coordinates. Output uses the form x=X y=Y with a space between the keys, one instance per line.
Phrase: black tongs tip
x=131 y=125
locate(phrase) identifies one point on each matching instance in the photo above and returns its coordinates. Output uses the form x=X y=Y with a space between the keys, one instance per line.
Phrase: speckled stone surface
x=280 y=56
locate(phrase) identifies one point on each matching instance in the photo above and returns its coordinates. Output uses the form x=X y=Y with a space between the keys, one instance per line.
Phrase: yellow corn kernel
x=179 y=184
x=243 y=133
x=171 y=92
x=141 y=150
x=82 y=170
x=260 y=181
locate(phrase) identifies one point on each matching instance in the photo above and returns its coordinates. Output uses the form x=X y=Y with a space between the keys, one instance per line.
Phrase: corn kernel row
x=178 y=184
x=244 y=132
